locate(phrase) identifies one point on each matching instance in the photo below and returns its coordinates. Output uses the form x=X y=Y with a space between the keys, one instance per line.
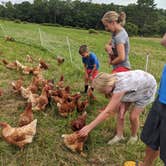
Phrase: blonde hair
x=103 y=80
x=114 y=16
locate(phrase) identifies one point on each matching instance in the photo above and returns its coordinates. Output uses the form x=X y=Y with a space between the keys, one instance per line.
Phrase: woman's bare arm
x=108 y=111
x=121 y=54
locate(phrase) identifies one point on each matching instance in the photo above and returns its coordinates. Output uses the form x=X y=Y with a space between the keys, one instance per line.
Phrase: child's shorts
x=95 y=73
x=120 y=69
x=154 y=131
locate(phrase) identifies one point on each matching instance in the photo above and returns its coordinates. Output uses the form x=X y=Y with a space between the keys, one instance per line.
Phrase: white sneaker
x=116 y=139
x=132 y=140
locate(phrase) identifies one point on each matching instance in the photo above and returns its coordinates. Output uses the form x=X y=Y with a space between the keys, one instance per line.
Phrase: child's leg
x=86 y=81
x=134 y=120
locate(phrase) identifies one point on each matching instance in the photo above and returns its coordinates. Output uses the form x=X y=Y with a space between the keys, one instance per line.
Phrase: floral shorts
x=141 y=98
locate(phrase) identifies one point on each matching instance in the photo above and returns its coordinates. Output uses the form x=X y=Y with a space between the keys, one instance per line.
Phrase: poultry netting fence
x=62 y=45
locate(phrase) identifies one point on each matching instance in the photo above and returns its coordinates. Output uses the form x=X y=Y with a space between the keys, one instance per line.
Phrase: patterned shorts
x=142 y=97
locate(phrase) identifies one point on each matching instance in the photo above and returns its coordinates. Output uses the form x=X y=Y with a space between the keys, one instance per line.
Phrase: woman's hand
x=84 y=131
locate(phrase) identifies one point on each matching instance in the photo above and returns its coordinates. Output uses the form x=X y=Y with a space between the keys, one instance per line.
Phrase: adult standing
x=123 y=87
x=118 y=50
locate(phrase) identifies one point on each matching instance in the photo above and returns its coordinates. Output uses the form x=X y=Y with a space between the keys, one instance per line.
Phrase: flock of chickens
x=38 y=95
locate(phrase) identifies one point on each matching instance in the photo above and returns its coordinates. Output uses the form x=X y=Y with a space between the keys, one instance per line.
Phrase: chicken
x=19 y=65
x=60 y=60
x=81 y=106
x=62 y=95
x=10 y=65
x=17 y=85
x=90 y=94
x=29 y=59
x=43 y=65
x=60 y=83
x=19 y=136
x=9 y=38
x=36 y=70
x=67 y=107
x=27 y=116
x=41 y=79
x=25 y=92
x=33 y=99
x=42 y=100
x=1 y=92
x=74 y=142
x=25 y=69
x=79 y=123
x=33 y=87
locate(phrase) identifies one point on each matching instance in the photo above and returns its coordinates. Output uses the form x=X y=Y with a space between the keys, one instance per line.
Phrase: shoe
x=115 y=140
x=132 y=140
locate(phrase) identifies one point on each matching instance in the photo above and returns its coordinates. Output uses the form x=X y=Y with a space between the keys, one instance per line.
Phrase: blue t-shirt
x=162 y=89
x=90 y=61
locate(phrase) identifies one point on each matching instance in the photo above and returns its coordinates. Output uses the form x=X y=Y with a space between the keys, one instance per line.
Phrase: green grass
x=47 y=147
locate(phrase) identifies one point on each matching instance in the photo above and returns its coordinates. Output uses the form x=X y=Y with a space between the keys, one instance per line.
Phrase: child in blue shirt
x=91 y=65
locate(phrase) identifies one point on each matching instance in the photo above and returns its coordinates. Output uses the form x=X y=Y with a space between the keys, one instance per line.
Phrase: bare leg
x=86 y=84
x=120 y=119
x=150 y=157
x=134 y=120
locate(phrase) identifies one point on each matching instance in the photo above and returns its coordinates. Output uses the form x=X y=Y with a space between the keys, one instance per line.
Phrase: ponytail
x=114 y=16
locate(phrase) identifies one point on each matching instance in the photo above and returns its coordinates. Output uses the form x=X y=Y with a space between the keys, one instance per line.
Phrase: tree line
x=143 y=18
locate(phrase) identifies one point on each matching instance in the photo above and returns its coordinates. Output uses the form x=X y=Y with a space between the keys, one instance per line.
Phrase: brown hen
x=79 y=123
x=27 y=116
x=74 y=142
x=19 y=136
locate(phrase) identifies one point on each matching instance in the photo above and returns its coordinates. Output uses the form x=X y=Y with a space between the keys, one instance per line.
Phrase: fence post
x=40 y=35
x=147 y=62
x=68 y=43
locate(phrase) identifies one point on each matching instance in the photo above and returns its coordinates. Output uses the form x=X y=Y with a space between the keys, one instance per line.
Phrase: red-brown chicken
x=82 y=105
x=60 y=83
x=17 y=85
x=74 y=142
x=10 y=65
x=60 y=60
x=27 y=116
x=43 y=65
x=19 y=136
x=67 y=107
x=29 y=59
x=79 y=123
x=9 y=38
x=34 y=85
x=42 y=100
x=90 y=94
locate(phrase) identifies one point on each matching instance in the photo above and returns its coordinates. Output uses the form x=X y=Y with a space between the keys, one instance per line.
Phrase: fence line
x=56 y=44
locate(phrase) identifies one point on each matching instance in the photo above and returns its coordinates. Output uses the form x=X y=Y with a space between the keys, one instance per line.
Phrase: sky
x=160 y=3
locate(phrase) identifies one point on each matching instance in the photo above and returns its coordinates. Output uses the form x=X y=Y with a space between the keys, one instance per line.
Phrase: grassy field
x=47 y=147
